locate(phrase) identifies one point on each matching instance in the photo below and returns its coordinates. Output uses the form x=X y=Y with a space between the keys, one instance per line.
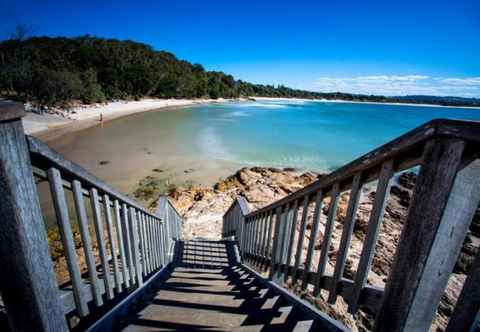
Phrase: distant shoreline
x=49 y=127
x=364 y=102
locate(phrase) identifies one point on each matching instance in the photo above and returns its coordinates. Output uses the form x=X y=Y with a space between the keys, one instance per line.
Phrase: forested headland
x=59 y=71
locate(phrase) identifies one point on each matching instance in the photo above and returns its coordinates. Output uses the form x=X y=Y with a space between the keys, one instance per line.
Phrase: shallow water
x=207 y=142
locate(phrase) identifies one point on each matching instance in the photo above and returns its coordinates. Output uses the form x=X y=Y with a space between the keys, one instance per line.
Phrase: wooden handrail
x=132 y=243
x=446 y=195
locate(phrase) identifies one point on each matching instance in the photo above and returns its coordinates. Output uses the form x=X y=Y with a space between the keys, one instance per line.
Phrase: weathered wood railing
x=446 y=194
x=129 y=244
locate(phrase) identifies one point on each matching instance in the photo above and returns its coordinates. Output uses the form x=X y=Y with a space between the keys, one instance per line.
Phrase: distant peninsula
x=59 y=72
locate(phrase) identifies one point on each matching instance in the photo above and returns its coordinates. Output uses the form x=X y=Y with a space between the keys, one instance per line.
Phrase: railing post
x=440 y=213
x=29 y=289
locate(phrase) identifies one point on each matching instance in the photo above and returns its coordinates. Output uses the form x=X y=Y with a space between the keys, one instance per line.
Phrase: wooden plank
x=347 y=231
x=374 y=222
x=135 y=245
x=113 y=245
x=63 y=221
x=313 y=237
x=301 y=239
x=29 y=289
x=441 y=211
x=128 y=241
x=97 y=222
x=86 y=242
x=121 y=246
x=468 y=304
x=291 y=239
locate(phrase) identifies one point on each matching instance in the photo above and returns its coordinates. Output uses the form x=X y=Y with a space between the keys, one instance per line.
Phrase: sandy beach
x=359 y=102
x=49 y=126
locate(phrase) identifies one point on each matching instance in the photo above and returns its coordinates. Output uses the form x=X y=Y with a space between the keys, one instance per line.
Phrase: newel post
x=27 y=283
x=446 y=196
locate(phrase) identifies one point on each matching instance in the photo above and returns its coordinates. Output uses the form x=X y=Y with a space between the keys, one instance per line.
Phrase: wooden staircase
x=140 y=275
x=209 y=289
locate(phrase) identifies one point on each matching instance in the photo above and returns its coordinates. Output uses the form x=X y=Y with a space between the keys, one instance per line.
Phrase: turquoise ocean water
x=308 y=135
x=204 y=143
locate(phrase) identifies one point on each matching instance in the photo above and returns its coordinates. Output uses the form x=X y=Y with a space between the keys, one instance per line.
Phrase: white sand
x=359 y=102
x=35 y=123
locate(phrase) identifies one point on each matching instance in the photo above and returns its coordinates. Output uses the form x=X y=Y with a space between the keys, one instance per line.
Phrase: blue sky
x=379 y=47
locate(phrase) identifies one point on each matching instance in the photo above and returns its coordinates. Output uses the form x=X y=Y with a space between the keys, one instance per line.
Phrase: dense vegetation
x=57 y=71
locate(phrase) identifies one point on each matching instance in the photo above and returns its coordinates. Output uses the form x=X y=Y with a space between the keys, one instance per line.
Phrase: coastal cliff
x=203 y=208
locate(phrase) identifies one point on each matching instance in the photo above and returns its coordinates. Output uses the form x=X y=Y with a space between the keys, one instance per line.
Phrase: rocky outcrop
x=203 y=209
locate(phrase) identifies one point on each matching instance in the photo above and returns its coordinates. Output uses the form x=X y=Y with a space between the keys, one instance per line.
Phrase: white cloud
x=398 y=85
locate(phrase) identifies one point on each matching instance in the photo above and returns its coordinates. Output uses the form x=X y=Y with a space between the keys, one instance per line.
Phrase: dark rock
x=157 y=170
x=407 y=180
x=475 y=226
x=466 y=257
x=104 y=162
x=403 y=195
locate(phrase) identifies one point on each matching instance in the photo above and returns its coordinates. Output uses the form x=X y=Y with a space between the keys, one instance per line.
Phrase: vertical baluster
x=151 y=244
x=87 y=242
x=159 y=244
x=141 y=240
x=327 y=237
x=313 y=238
x=99 y=230
x=63 y=220
x=348 y=226
x=269 y=234
x=291 y=239
x=278 y=214
x=165 y=244
x=263 y=246
x=129 y=245
x=113 y=245
x=135 y=245
x=368 y=250
x=121 y=246
x=145 y=239
x=164 y=228
x=148 y=246
x=301 y=239
x=282 y=238
x=249 y=234
x=255 y=237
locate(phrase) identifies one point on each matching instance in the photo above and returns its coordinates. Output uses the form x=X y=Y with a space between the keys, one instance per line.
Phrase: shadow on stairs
x=208 y=290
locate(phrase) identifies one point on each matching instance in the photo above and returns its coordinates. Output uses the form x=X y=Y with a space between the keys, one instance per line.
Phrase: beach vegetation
x=58 y=71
